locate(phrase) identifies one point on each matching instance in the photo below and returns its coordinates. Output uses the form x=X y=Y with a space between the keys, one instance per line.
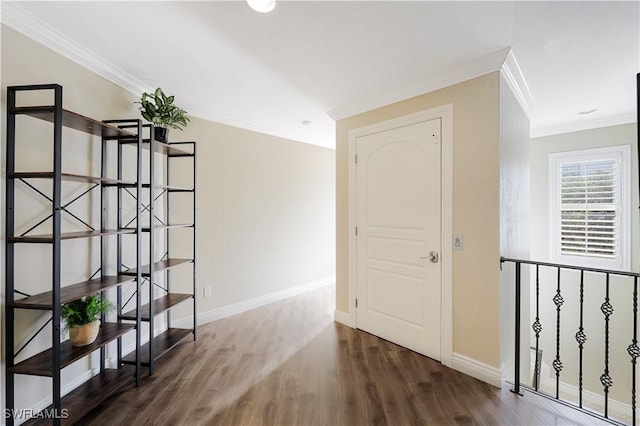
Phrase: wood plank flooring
x=288 y=363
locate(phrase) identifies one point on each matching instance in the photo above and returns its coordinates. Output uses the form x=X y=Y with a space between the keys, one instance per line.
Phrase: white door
x=399 y=236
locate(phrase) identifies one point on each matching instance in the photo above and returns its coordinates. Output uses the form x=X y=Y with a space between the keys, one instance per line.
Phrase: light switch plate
x=458 y=242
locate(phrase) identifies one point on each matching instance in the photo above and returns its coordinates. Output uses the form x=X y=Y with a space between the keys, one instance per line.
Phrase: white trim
x=447 y=235
x=20 y=20
x=256 y=302
x=352 y=221
x=538 y=131
x=445 y=113
x=448 y=77
x=622 y=155
x=343 y=318
x=515 y=79
x=477 y=369
x=46 y=401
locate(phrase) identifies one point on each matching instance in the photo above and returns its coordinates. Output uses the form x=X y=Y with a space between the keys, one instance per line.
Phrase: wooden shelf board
x=80 y=401
x=48 y=238
x=71 y=292
x=71 y=177
x=165 y=148
x=42 y=363
x=159 y=266
x=75 y=121
x=160 y=305
x=176 y=189
x=169 y=188
x=168 y=226
x=181 y=154
x=163 y=344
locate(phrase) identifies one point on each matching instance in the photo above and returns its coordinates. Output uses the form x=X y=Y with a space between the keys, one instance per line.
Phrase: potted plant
x=159 y=109
x=82 y=318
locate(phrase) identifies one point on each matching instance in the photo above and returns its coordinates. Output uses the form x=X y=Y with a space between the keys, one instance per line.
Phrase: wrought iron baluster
x=605 y=378
x=557 y=364
x=581 y=338
x=537 y=328
x=607 y=309
x=516 y=361
x=634 y=351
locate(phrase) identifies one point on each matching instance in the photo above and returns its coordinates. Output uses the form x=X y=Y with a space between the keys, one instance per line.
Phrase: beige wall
x=476 y=209
x=265 y=212
x=266 y=204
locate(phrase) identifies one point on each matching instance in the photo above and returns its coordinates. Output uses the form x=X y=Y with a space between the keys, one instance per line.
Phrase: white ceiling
x=319 y=61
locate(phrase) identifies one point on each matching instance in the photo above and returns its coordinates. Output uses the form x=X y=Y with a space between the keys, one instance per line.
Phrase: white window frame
x=622 y=156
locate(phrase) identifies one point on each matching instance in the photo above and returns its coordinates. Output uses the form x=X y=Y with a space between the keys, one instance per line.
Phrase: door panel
x=400 y=305
x=398 y=216
x=392 y=203
x=394 y=250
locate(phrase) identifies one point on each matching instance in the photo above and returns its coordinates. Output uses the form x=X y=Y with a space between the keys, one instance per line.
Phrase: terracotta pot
x=85 y=334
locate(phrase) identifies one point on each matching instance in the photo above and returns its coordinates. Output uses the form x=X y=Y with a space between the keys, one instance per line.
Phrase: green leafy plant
x=159 y=109
x=85 y=310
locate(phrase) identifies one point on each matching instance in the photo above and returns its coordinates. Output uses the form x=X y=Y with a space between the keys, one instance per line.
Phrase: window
x=590 y=207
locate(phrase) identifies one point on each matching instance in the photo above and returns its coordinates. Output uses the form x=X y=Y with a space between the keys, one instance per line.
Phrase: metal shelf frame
x=158 y=345
x=60 y=353
x=171 y=151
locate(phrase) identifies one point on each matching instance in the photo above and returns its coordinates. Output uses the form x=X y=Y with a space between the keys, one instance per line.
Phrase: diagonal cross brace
x=63 y=208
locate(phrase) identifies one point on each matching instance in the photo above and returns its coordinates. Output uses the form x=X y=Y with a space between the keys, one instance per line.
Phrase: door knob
x=433 y=257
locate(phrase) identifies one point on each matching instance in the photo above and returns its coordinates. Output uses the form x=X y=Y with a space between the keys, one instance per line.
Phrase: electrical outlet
x=458 y=242
x=207 y=292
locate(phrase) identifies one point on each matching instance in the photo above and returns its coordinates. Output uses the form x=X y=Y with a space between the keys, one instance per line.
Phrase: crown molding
x=15 y=17
x=448 y=77
x=577 y=126
x=25 y=23
x=515 y=79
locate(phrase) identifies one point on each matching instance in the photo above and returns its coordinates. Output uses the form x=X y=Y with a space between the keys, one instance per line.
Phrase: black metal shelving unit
x=158 y=271
x=50 y=362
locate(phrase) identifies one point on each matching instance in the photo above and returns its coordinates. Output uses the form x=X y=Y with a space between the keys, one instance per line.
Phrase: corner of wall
x=343 y=317
x=477 y=369
x=255 y=302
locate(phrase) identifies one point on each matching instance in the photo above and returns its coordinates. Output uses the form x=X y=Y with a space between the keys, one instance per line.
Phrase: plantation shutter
x=589 y=208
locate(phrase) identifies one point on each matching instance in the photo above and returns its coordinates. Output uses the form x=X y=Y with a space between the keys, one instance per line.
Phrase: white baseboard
x=256 y=302
x=343 y=318
x=44 y=403
x=477 y=369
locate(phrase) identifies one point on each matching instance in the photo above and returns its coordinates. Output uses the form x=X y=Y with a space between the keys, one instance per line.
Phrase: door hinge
x=356 y=158
x=356 y=303
x=356 y=231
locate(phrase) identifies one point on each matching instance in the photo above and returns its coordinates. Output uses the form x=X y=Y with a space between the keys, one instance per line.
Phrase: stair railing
x=606 y=311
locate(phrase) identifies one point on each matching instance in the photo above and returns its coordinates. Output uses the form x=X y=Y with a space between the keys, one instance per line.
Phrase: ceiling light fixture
x=262 y=6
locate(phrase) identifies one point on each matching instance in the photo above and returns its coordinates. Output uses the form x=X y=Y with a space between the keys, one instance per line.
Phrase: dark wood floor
x=288 y=363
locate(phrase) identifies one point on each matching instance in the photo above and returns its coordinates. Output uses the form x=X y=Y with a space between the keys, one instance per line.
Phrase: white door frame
x=445 y=113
